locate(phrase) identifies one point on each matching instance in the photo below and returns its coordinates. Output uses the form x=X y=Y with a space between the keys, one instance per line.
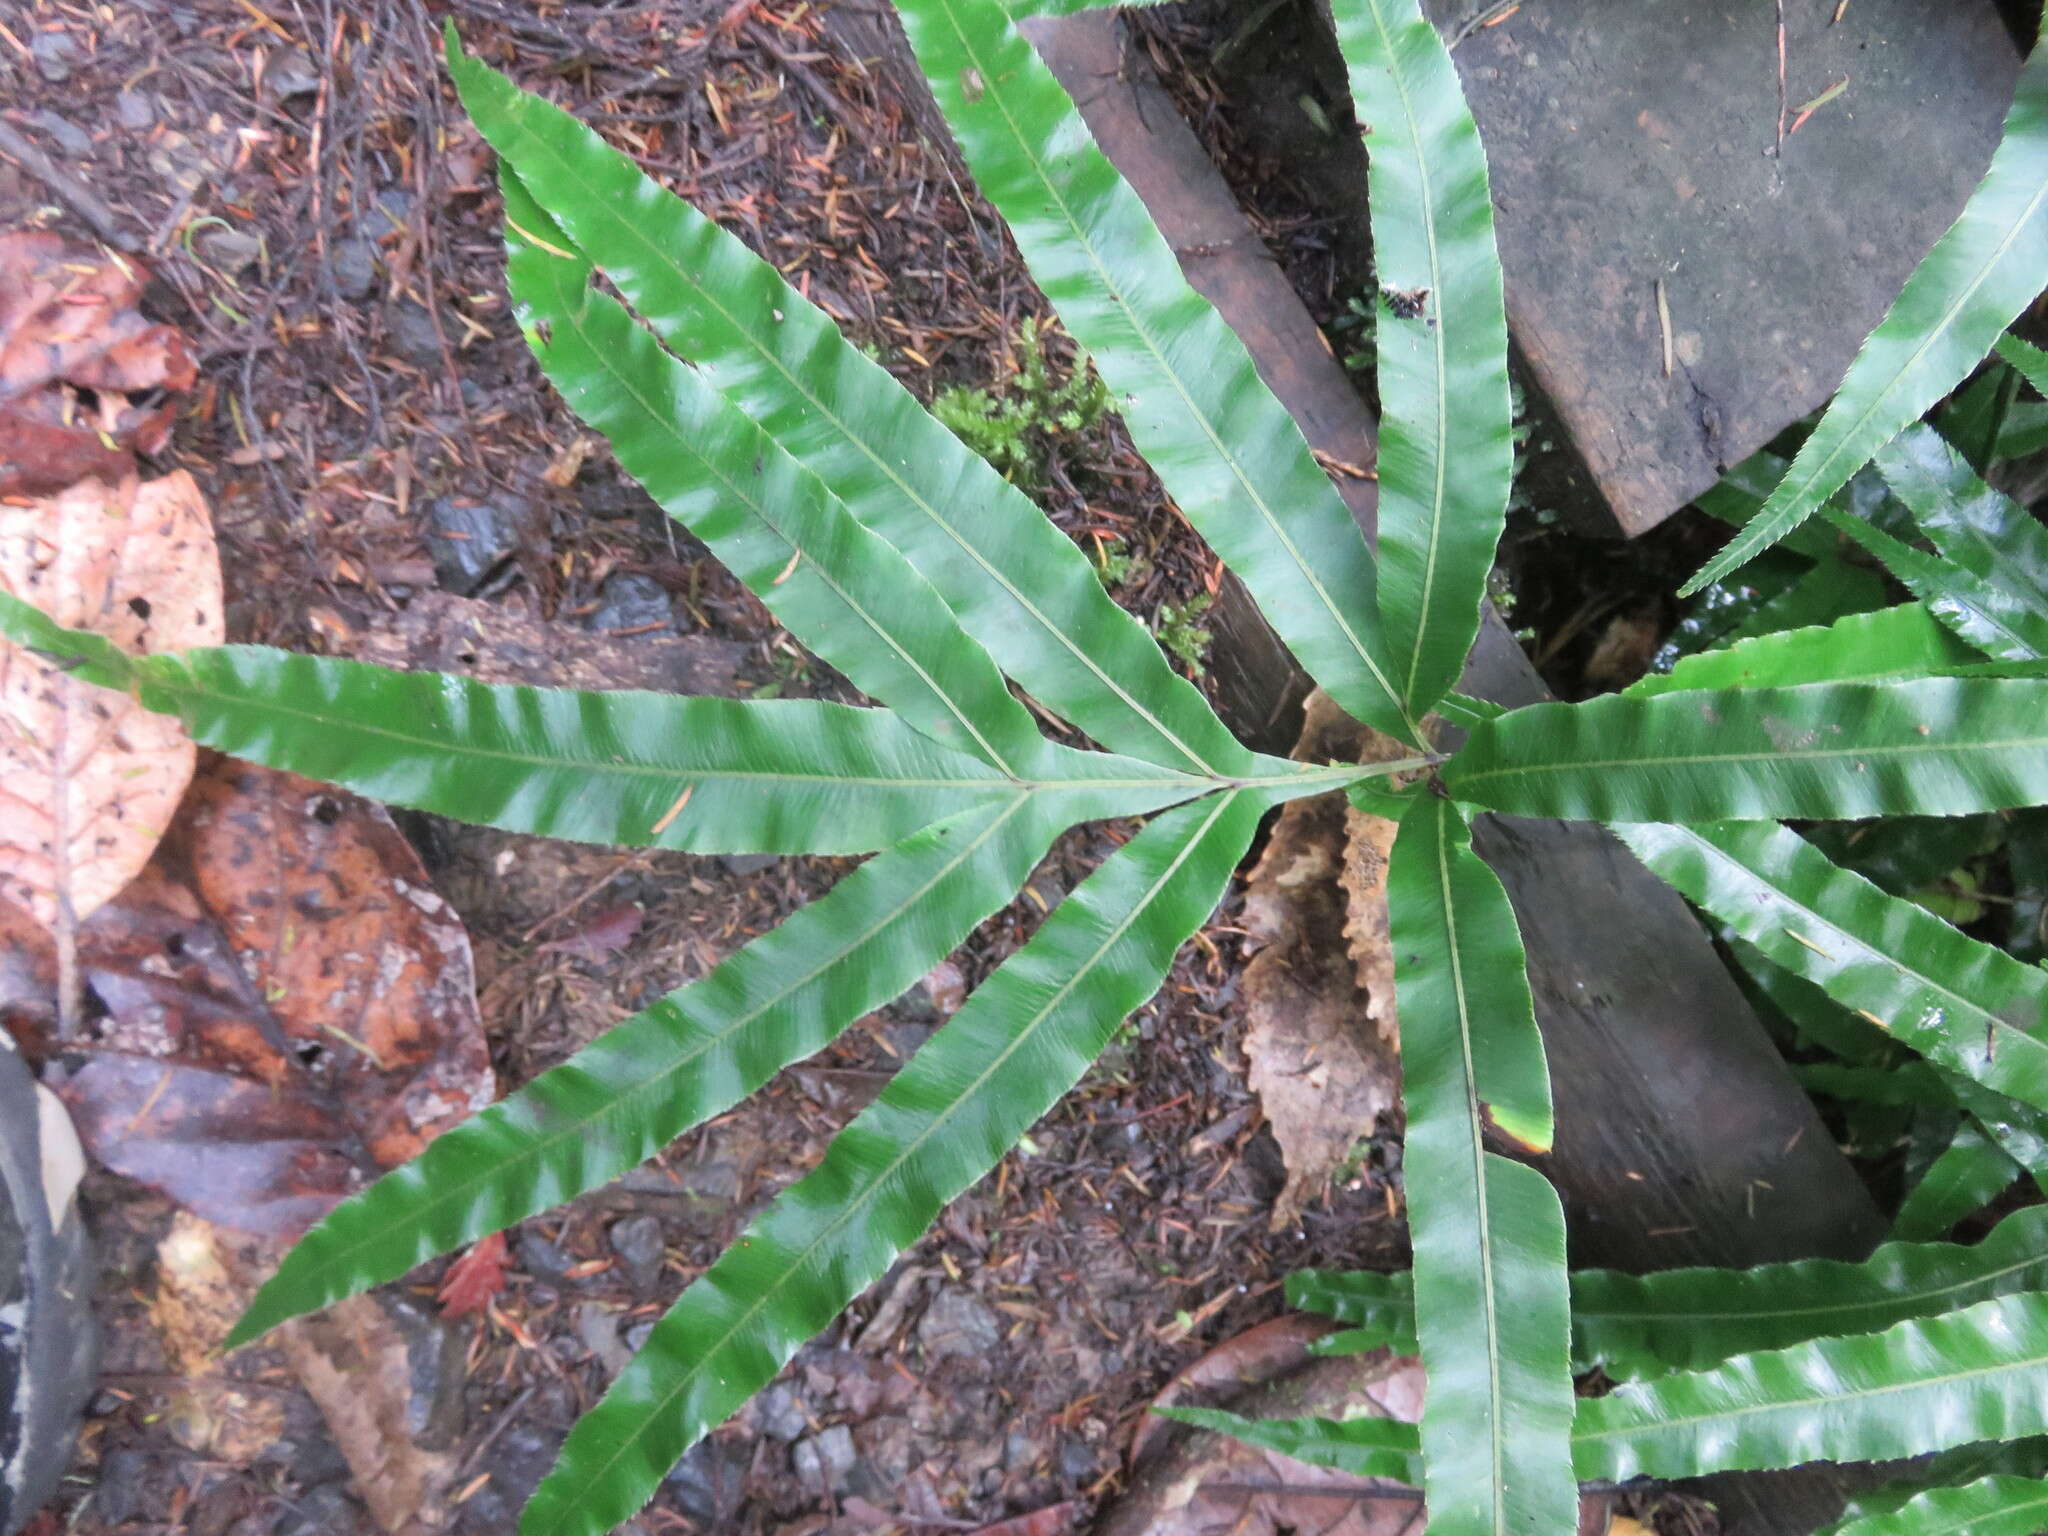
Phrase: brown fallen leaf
x=1320 y=1047
x=289 y=1008
x=88 y=778
x=354 y=1361
x=73 y=351
x=475 y=1278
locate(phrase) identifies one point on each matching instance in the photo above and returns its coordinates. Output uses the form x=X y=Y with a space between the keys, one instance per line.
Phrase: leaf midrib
x=993 y=89
x=573 y=316
x=1584 y=765
x=1496 y=1407
x=839 y=425
x=1975 y=1010
x=1436 y=286
x=860 y=1201
x=538 y=1149
x=1660 y=1427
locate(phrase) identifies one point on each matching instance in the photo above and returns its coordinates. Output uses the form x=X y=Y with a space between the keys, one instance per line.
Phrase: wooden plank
x=1635 y=143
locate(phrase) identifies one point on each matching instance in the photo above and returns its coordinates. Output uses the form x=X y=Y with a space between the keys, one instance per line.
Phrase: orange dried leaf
x=89 y=779
x=475 y=1278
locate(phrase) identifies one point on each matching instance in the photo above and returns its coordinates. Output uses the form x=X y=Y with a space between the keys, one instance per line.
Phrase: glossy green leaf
x=1950 y=1469
x=1971 y=1172
x=1988 y=420
x=1024 y=1037
x=1446 y=446
x=1919 y=1386
x=2028 y=360
x=1688 y=1319
x=1016 y=583
x=846 y=593
x=1365 y=1446
x=1225 y=448
x=701 y=774
x=1379 y=1308
x=1488 y=1234
x=2020 y=1129
x=1977 y=610
x=1903 y=854
x=1963 y=1005
x=1995 y=1506
x=694 y=1054
x=1863 y=648
x=1908 y=1085
x=1980 y=274
x=1742 y=493
x=1973 y=527
x=1938 y=746
x=1833 y=589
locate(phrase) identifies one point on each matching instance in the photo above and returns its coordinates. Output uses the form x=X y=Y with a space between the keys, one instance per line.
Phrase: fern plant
x=903 y=559
x=1009 y=426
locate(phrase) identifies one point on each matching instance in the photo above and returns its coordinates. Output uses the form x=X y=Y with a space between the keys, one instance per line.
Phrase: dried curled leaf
x=1320 y=991
x=288 y=1007
x=83 y=375
x=89 y=779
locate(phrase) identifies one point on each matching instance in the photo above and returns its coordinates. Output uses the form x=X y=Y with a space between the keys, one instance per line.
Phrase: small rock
x=959 y=1323
x=469 y=540
x=437 y=1359
x=1077 y=1459
x=228 y=250
x=628 y=600
x=706 y=1484
x=290 y=73
x=134 y=111
x=639 y=1243
x=748 y=863
x=542 y=1259
x=638 y=1335
x=779 y=1412
x=69 y=138
x=599 y=1331
x=56 y=54
x=413 y=337
x=824 y=1460
x=354 y=263
x=387 y=214
x=329 y=1510
x=517 y=1461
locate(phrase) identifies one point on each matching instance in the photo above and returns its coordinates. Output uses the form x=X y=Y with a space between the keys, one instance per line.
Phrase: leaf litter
x=1319 y=990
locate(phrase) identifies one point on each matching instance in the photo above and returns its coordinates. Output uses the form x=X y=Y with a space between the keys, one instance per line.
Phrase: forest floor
x=386 y=465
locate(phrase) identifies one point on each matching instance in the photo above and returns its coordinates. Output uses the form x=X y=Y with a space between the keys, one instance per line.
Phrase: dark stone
x=1077 y=1459
x=56 y=54
x=748 y=863
x=638 y=1335
x=543 y=1259
x=639 y=1243
x=290 y=73
x=134 y=111
x=70 y=139
x=329 y=1510
x=779 y=1412
x=826 y=1459
x=470 y=540
x=628 y=600
x=706 y=1484
x=437 y=1357
x=387 y=214
x=958 y=1323
x=120 y=1487
x=355 y=268
x=413 y=336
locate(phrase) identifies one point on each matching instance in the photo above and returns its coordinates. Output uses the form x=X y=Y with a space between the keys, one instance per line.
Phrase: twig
x=77 y=197
x=1780 y=149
